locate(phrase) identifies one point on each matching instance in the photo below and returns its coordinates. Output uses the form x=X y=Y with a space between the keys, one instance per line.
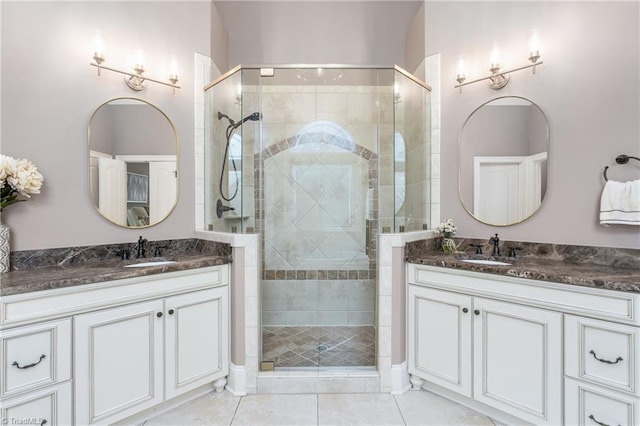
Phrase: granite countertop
x=54 y=277
x=607 y=277
x=48 y=269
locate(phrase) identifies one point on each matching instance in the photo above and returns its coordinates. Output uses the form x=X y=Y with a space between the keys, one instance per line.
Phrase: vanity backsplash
x=77 y=256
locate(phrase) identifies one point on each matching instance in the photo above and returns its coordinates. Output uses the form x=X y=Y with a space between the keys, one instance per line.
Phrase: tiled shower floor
x=319 y=346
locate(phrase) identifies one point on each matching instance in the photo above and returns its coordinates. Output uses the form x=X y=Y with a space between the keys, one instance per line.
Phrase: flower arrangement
x=447 y=228
x=19 y=179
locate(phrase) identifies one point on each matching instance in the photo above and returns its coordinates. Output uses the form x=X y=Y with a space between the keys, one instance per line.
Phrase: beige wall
x=414 y=42
x=219 y=40
x=49 y=92
x=592 y=118
x=317 y=32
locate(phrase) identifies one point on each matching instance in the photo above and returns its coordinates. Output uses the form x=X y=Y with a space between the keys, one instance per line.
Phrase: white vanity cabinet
x=132 y=357
x=137 y=342
x=504 y=342
x=502 y=354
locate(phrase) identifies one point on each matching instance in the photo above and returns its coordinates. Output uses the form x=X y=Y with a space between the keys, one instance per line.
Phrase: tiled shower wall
x=320 y=173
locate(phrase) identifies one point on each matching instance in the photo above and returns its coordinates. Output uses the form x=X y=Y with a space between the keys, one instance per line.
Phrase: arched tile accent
x=347 y=145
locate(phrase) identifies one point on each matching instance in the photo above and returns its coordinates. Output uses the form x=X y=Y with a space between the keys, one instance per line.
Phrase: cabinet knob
x=477 y=312
x=465 y=310
x=171 y=311
x=159 y=314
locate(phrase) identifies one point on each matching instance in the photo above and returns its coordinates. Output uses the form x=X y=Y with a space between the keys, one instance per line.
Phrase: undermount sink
x=151 y=263
x=485 y=262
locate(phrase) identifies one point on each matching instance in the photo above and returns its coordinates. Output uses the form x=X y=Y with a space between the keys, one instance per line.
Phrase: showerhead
x=256 y=116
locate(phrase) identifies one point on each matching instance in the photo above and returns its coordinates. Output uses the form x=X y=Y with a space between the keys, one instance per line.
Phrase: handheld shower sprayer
x=256 y=116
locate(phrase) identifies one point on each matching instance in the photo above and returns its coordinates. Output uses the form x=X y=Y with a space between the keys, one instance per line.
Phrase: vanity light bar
x=134 y=79
x=137 y=77
x=498 y=78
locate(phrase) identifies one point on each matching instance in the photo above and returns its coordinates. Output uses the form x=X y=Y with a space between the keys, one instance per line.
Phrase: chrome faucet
x=141 y=250
x=496 y=245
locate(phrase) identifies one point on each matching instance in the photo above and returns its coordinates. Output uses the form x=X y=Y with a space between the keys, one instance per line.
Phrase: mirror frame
x=548 y=144
x=177 y=146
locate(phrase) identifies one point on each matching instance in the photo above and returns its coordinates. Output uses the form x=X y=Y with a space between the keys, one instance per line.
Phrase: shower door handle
x=367 y=237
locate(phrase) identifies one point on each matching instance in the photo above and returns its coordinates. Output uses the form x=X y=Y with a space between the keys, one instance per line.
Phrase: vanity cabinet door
x=518 y=360
x=197 y=339
x=439 y=330
x=118 y=366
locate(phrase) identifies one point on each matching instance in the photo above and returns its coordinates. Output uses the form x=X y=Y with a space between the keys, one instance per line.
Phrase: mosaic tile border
x=319 y=274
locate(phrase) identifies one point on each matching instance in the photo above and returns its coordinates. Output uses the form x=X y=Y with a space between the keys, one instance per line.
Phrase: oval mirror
x=133 y=158
x=503 y=155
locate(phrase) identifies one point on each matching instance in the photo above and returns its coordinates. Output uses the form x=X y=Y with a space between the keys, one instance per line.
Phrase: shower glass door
x=318 y=215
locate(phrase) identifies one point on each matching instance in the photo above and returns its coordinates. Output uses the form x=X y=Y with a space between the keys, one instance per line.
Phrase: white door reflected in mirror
x=503 y=154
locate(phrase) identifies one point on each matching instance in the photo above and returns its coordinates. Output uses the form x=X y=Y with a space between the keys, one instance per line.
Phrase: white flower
x=7 y=168
x=19 y=179
x=26 y=180
x=447 y=227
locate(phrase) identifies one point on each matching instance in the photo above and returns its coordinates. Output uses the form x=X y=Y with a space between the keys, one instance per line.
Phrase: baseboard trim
x=237 y=380
x=400 y=379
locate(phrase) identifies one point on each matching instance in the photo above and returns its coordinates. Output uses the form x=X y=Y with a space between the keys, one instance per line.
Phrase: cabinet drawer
x=590 y=405
x=35 y=356
x=602 y=352
x=47 y=407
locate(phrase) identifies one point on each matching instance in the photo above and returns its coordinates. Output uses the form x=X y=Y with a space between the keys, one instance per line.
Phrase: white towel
x=620 y=203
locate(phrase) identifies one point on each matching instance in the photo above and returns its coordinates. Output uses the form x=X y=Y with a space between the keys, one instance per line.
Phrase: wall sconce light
x=498 y=78
x=396 y=93
x=135 y=79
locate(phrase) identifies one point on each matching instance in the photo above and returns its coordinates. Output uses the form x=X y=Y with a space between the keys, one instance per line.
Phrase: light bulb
x=139 y=60
x=98 y=48
x=173 y=70
x=460 y=68
x=534 y=46
x=495 y=58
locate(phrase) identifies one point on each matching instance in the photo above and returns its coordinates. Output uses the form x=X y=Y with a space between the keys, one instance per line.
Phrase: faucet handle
x=478 y=247
x=512 y=251
x=123 y=253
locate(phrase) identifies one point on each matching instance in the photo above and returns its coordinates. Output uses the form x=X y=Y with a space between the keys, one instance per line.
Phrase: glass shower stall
x=317 y=160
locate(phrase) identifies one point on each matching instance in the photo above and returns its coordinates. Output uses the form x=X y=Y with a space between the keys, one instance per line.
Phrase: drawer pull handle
x=604 y=360
x=30 y=365
x=600 y=423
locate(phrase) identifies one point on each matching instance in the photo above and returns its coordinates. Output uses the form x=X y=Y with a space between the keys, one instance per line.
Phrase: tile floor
x=412 y=408
x=319 y=346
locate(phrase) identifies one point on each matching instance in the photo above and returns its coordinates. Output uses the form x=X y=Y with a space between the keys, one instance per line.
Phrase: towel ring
x=620 y=159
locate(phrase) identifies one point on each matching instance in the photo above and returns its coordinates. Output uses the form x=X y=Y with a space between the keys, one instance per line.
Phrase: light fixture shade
x=535 y=46
x=495 y=58
x=98 y=45
x=139 y=59
x=460 y=67
x=173 y=69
